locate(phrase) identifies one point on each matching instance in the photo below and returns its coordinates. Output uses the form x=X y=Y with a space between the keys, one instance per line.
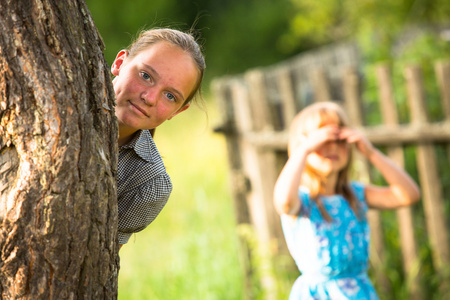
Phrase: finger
x=352 y=139
x=346 y=132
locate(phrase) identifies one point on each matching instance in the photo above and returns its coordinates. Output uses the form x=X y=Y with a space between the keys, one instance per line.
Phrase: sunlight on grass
x=191 y=250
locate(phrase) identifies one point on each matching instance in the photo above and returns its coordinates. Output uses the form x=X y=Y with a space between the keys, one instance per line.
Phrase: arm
x=140 y=206
x=286 y=187
x=401 y=189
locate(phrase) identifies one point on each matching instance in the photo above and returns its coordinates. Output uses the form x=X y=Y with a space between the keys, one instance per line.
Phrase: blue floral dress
x=332 y=256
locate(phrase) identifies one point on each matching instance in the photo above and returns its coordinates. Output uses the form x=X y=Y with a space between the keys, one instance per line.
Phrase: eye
x=171 y=97
x=146 y=76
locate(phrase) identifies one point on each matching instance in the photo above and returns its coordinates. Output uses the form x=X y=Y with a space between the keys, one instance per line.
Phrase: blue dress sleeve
x=305 y=202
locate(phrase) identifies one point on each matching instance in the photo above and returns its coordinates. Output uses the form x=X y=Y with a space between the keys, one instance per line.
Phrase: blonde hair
x=310 y=118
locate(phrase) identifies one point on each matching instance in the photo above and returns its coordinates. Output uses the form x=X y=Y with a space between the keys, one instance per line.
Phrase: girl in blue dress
x=323 y=214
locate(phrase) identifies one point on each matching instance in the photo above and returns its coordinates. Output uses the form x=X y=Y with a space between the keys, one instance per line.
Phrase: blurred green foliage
x=380 y=21
x=236 y=35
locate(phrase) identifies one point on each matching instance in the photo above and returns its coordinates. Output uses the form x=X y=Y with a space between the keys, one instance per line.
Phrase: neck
x=330 y=184
x=125 y=135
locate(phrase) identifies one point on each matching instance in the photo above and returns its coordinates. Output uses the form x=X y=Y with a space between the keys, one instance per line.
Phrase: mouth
x=138 y=109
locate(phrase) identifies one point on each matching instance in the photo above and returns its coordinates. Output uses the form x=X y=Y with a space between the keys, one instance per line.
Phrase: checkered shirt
x=143 y=185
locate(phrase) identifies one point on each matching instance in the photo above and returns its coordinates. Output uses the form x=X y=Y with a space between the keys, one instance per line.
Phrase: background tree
x=58 y=155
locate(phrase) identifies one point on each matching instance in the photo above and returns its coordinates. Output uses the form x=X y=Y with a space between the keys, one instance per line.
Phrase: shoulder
x=305 y=200
x=140 y=164
x=147 y=177
x=359 y=191
x=358 y=188
x=141 y=147
x=306 y=205
x=146 y=148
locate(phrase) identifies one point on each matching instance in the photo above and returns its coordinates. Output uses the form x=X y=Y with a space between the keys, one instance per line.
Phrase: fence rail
x=257 y=109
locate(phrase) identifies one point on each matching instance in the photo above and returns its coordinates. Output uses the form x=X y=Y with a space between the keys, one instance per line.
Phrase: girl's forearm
x=403 y=187
x=286 y=187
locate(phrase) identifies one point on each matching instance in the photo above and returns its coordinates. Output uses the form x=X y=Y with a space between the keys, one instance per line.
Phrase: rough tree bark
x=58 y=154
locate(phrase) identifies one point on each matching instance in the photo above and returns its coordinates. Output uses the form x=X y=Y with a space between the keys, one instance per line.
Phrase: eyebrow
x=156 y=74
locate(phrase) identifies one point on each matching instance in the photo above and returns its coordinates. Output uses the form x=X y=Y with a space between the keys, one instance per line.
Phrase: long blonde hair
x=310 y=118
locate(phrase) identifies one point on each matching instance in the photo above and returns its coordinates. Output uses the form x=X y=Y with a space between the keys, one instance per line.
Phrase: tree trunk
x=58 y=155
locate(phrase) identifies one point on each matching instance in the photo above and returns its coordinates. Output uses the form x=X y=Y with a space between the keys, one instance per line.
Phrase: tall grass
x=191 y=250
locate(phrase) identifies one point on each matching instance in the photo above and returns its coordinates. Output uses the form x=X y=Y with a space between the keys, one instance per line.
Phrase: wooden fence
x=257 y=108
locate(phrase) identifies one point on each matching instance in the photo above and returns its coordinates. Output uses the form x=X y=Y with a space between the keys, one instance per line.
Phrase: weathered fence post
x=443 y=76
x=354 y=111
x=442 y=70
x=286 y=90
x=411 y=261
x=262 y=163
x=239 y=182
x=321 y=87
x=428 y=173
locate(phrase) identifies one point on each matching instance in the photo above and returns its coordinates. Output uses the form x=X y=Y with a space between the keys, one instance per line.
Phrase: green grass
x=191 y=250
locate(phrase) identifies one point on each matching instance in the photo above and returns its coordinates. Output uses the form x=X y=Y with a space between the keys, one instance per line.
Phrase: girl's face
x=331 y=157
x=152 y=86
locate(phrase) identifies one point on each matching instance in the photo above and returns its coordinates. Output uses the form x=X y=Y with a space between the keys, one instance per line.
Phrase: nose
x=331 y=145
x=149 y=97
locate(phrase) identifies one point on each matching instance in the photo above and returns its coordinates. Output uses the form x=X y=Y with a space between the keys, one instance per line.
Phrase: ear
x=180 y=110
x=118 y=62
